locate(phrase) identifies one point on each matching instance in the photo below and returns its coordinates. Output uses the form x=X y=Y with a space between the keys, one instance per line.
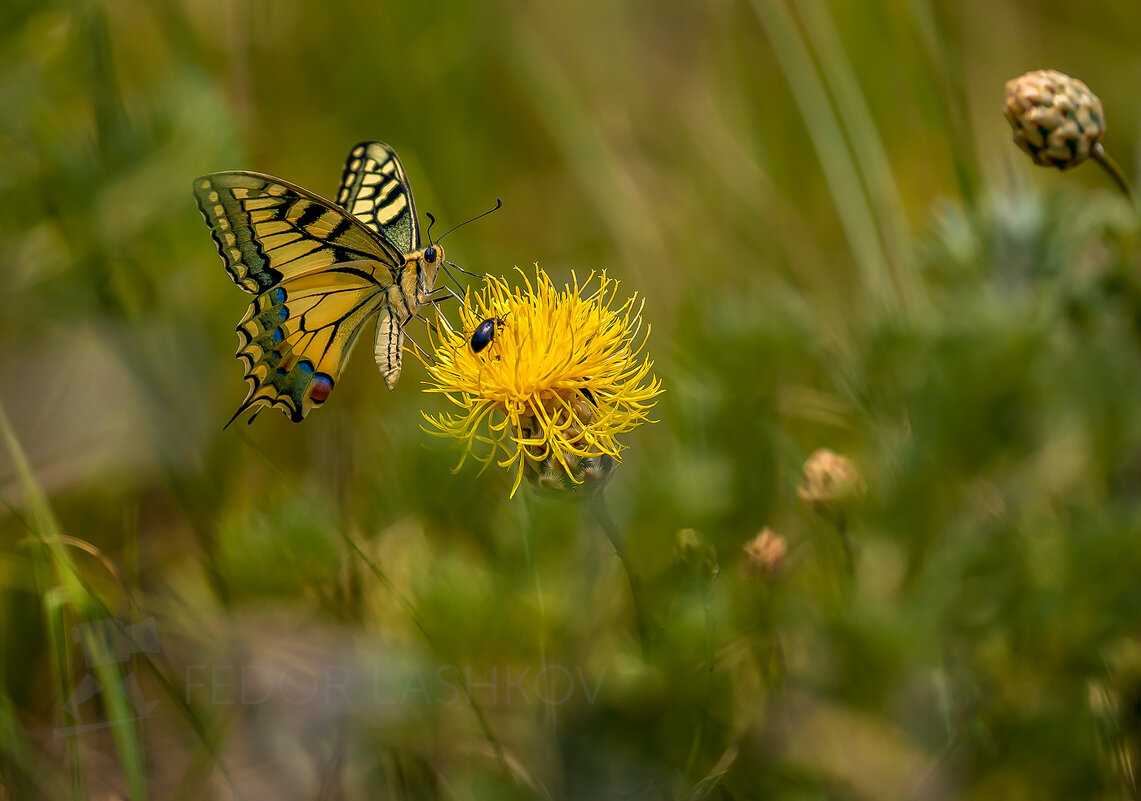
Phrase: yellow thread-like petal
x=563 y=377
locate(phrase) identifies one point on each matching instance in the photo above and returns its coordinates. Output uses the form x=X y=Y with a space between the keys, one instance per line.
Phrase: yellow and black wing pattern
x=296 y=336
x=318 y=274
x=266 y=229
x=374 y=189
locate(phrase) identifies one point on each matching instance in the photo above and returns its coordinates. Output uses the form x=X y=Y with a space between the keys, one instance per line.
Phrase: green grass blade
x=871 y=157
x=832 y=150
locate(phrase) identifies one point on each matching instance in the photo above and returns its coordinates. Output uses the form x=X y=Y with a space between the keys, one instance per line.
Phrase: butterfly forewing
x=375 y=190
x=267 y=229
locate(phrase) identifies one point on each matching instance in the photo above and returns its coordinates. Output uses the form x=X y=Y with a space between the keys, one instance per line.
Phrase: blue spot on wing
x=278 y=295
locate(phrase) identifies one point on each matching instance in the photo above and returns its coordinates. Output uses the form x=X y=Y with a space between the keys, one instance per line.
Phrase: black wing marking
x=267 y=229
x=375 y=190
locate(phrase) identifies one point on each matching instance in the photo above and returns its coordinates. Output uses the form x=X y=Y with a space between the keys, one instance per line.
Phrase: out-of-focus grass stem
x=836 y=159
x=703 y=721
x=68 y=591
x=414 y=614
x=947 y=75
x=618 y=540
x=871 y=156
x=552 y=711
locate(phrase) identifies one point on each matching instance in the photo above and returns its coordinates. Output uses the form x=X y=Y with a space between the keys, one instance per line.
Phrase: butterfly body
x=319 y=271
x=408 y=292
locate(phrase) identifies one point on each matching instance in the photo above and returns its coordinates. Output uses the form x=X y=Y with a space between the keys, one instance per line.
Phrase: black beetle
x=484 y=333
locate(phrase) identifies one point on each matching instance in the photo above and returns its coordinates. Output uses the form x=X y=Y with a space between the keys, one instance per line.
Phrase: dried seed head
x=828 y=481
x=765 y=554
x=1056 y=118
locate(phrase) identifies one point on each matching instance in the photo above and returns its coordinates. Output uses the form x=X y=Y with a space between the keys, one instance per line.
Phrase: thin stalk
x=618 y=540
x=552 y=715
x=846 y=543
x=410 y=608
x=702 y=723
x=1110 y=166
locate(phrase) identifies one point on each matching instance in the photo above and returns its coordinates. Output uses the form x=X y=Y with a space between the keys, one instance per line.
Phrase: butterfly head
x=426 y=264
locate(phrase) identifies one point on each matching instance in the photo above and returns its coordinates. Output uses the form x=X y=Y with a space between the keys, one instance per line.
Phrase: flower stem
x=1104 y=159
x=846 y=543
x=618 y=540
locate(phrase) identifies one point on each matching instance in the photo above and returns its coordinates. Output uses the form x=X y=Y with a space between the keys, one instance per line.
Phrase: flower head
x=549 y=384
x=828 y=481
x=765 y=554
x=1056 y=118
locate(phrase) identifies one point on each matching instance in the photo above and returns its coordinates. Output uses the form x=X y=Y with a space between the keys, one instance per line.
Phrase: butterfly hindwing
x=267 y=229
x=375 y=190
x=296 y=336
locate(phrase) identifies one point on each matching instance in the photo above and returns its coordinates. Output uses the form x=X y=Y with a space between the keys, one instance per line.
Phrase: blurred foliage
x=838 y=246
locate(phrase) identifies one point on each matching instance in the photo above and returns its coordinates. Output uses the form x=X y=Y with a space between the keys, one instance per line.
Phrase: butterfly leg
x=461 y=269
x=439 y=312
x=447 y=291
x=423 y=353
x=427 y=357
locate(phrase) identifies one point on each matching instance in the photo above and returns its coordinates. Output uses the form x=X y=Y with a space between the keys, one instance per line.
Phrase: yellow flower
x=559 y=381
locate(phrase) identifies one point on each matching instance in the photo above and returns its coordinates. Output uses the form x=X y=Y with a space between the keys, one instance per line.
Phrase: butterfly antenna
x=431 y=222
x=498 y=206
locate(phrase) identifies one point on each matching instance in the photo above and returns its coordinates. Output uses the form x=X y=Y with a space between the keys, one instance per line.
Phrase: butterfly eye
x=430 y=254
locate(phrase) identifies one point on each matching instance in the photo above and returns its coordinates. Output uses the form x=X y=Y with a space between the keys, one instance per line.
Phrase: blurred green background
x=838 y=246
